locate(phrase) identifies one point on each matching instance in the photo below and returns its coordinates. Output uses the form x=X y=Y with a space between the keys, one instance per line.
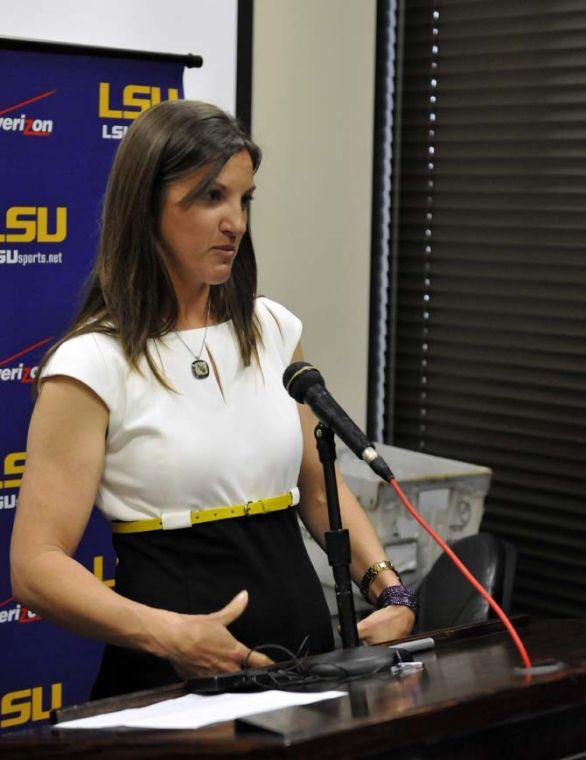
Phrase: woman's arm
x=383 y=625
x=65 y=459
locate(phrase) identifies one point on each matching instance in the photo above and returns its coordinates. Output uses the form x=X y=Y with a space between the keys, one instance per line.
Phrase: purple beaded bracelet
x=397 y=595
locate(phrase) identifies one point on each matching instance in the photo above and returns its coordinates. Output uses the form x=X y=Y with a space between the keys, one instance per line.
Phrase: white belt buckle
x=294 y=497
x=175 y=520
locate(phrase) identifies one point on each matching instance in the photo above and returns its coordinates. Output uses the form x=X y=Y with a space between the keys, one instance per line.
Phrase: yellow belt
x=185 y=519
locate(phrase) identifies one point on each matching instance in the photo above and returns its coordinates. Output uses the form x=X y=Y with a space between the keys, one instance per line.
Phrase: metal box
x=447 y=493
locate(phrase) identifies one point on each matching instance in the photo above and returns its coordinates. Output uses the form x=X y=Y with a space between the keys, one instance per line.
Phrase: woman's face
x=199 y=240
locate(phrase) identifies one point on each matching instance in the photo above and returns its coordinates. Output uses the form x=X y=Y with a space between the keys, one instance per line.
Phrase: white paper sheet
x=195 y=711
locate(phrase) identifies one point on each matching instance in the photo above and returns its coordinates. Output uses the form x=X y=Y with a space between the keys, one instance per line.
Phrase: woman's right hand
x=201 y=645
x=65 y=461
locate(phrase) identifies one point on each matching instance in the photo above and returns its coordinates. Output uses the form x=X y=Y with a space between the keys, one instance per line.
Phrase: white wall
x=313 y=101
x=169 y=26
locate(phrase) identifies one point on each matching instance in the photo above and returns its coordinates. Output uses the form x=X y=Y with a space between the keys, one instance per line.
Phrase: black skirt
x=200 y=569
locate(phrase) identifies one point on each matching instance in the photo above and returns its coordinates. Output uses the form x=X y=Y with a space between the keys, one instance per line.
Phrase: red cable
x=464 y=570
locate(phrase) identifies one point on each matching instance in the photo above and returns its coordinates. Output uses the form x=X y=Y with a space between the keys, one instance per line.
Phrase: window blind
x=490 y=360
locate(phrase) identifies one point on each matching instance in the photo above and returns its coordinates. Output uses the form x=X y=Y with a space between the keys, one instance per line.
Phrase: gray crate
x=449 y=495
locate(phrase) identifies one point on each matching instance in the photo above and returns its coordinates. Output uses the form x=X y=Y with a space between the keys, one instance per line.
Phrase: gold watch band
x=372 y=572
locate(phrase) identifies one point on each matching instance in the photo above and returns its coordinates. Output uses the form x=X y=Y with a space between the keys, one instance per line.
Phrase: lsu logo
x=13 y=470
x=27 y=224
x=136 y=98
x=24 y=705
x=98 y=571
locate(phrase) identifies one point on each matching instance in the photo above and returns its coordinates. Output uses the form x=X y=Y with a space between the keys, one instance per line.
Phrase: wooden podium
x=467 y=704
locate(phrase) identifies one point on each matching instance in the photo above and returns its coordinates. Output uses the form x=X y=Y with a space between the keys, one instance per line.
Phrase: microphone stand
x=352 y=659
x=337 y=540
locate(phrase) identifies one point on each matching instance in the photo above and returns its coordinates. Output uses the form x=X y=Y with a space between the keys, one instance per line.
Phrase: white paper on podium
x=195 y=711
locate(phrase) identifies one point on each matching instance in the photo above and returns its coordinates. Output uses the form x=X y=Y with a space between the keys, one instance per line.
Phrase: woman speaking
x=163 y=404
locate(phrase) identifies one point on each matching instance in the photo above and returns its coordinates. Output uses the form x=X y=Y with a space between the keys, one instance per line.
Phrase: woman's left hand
x=387 y=624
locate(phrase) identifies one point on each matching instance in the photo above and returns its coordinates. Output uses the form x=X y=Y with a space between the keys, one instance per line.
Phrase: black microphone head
x=299 y=377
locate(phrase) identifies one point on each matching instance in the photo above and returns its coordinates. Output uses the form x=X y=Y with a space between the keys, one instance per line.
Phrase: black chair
x=447 y=599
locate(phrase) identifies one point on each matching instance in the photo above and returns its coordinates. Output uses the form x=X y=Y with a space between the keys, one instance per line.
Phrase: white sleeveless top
x=201 y=446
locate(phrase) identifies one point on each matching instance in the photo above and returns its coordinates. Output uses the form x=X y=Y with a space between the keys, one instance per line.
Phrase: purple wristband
x=397 y=595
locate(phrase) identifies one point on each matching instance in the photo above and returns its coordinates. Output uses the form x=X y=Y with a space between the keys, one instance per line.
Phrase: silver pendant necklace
x=200 y=369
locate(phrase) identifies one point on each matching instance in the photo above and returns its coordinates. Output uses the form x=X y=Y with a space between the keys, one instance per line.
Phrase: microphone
x=305 y=384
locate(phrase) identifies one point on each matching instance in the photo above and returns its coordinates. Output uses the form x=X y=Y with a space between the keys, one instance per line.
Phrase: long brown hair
x=129 y=293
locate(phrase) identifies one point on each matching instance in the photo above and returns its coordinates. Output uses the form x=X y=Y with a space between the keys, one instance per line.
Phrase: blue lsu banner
x=61 y=119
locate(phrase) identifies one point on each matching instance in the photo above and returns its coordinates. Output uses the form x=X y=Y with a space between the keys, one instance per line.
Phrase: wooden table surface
x=467 y=703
